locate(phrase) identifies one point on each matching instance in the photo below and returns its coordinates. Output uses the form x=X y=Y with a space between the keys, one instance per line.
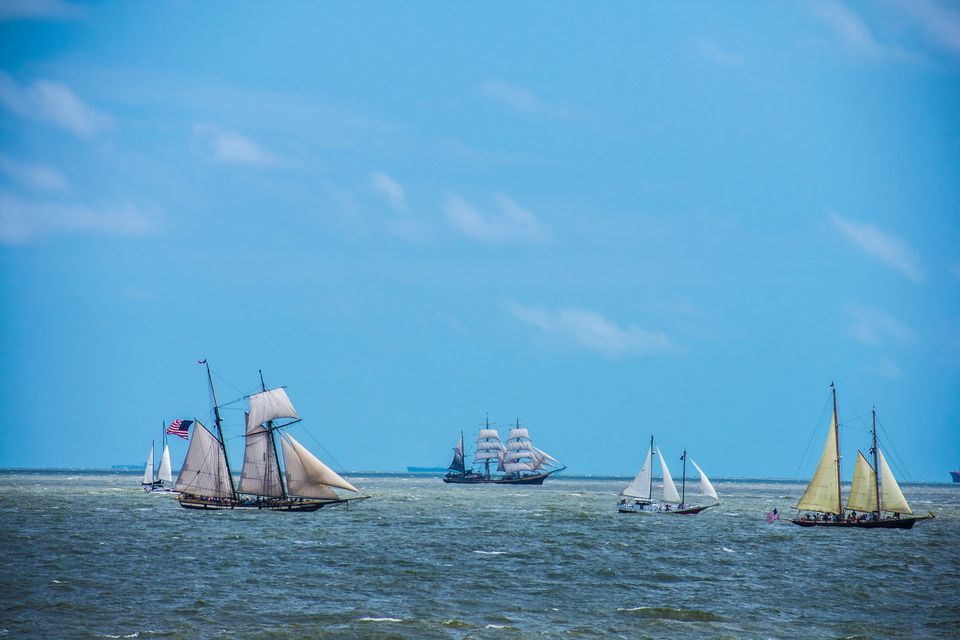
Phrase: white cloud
x=510 y=222
x=848 y=27
x=389 y=189
x=890 y=250
x=23 y=221
x=874 y=326
x=234 y=148
x=585 y=329
x=54 y=103
x=519 y=99
x=35 y=176
x=939 y=22
x=39 y=10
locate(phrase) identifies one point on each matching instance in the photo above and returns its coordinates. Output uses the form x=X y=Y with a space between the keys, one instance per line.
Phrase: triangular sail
x=148 y=471
x=457 y=464
x=823 y=492
x=640 y=487
x=706 y=489
x=670 y=493
x=269 y=405
x=863 y=490
x=204 y=471
x=307 y=476
x=890 y=492
x=165 y=473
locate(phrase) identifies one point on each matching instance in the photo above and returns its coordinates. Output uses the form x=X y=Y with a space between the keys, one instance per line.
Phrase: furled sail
x=670 y=493
x=890 y=492
x=204 y=470
x=260 y=474
x=165 y=473
x=488 y=445
x=269 y=405
x=823 y=492
x=706 y=489
x=640 y=487
x=148 y=471
x=863 y=491
x=307 y=476
x=457 y=464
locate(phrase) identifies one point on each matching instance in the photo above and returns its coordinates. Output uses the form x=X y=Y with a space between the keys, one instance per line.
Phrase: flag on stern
x=772 y=516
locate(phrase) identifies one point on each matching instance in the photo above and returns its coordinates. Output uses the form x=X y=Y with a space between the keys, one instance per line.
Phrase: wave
x=489 y=553
x=667 y=613
x=380 y=620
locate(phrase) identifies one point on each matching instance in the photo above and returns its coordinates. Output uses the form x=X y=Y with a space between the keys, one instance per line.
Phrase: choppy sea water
x=88 y=555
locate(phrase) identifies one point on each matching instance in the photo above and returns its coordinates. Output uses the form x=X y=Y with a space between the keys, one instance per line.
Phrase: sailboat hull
x=887 y=523
x=686 y=511
x=476 y=479
x=290 y=505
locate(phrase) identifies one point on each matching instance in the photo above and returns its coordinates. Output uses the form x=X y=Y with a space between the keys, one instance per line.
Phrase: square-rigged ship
x=206 y=482
x=519 y=462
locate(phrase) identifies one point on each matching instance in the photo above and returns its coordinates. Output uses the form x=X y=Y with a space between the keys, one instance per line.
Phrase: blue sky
x=605 y=220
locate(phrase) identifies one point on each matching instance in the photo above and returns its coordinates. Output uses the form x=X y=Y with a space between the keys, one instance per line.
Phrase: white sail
x=204 y=470
x=519 y=432
x=890 y=493
x=148 y=471
x=166 y=472
x=489 y=433
x=512 y=467
x=706 y=489
x=488 y=445
x=545 y=458
x=260 y=474
x=823 y=492
x=521 y=454
x=670 y=493
x=640 y=487
x=307 y=476
x=863 y=490
x=269 y=405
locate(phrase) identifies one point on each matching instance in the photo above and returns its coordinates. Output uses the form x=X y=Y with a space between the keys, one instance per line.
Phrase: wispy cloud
x=53 y=103
x=390 y=189
x=886 y=368
x=873 y=326
x=519 y=99
x=509 y=222
x=34 y=176
x=847 y=27
x=590 y=331
x=24 y=221
x=39 y=10
x=232 y=147
x=939 y=22
x=715 y=53
x=890 y=250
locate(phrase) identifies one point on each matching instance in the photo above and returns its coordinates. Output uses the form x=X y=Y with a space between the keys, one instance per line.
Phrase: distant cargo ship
x=955 y=475
x=426 y=469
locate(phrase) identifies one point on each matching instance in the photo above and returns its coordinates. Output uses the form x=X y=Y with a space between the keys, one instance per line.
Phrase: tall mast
x=463 y=454
x=836 y=433
x=876 y=468
x=153 y=461
x=650 y=471
x=216 y=420
x=683 y=478
x=486 y=462
x=273 y=440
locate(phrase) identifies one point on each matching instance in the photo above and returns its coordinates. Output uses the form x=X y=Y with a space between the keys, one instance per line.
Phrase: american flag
x=179 y=428
x=772 y=516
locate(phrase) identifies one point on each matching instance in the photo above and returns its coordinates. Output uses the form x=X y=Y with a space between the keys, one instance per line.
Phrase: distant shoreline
x=423 y=474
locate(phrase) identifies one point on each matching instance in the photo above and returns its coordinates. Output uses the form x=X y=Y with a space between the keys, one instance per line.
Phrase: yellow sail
x=823 y=492
x=863 y=491
x=893 y=499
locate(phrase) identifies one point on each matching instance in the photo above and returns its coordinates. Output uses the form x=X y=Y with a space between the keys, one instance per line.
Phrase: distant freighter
x=955 y=475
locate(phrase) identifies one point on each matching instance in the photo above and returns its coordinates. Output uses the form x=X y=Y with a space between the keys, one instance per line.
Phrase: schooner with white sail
x=637 y=497
x=305 y=484
x=874 y=492
x=519 y=461
x=155 y=484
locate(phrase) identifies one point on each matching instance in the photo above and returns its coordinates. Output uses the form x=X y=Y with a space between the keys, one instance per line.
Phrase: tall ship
x=875 y=500
x=155 y=483
x=637 y=497
x=305 y=484
x=517 y=462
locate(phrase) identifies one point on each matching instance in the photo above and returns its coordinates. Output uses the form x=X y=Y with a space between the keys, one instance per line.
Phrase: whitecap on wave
x=727 y=550
x=380 y=620
x=490 y=553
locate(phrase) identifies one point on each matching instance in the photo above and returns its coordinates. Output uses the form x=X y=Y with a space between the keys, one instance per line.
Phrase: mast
x=217 y=421
x=273 y=440
x=650 y=488
x=683 y=478
x=876 y=467
x=836 y=433
x=153 y=461
x=463 y=454
x=486 y=462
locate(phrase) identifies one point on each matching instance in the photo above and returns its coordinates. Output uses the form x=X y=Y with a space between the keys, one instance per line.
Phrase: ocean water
x=88 y=555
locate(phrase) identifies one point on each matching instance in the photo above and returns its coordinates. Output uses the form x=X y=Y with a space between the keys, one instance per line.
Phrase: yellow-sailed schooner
x=875 y=495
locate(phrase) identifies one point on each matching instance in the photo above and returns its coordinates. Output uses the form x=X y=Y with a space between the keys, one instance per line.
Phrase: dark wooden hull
x=686 y=511
x=535 y=479
x=288 y=505
x=887 y=523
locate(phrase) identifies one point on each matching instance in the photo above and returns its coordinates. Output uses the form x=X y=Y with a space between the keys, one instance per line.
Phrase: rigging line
x=813 y=435
x=901 y=464
x=335 y=461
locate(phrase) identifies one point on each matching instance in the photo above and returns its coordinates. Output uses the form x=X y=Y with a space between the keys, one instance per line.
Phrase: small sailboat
x=874 y=491
x=520 y=462
x=637 y=497
x=206 y=482
x=155 y=484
